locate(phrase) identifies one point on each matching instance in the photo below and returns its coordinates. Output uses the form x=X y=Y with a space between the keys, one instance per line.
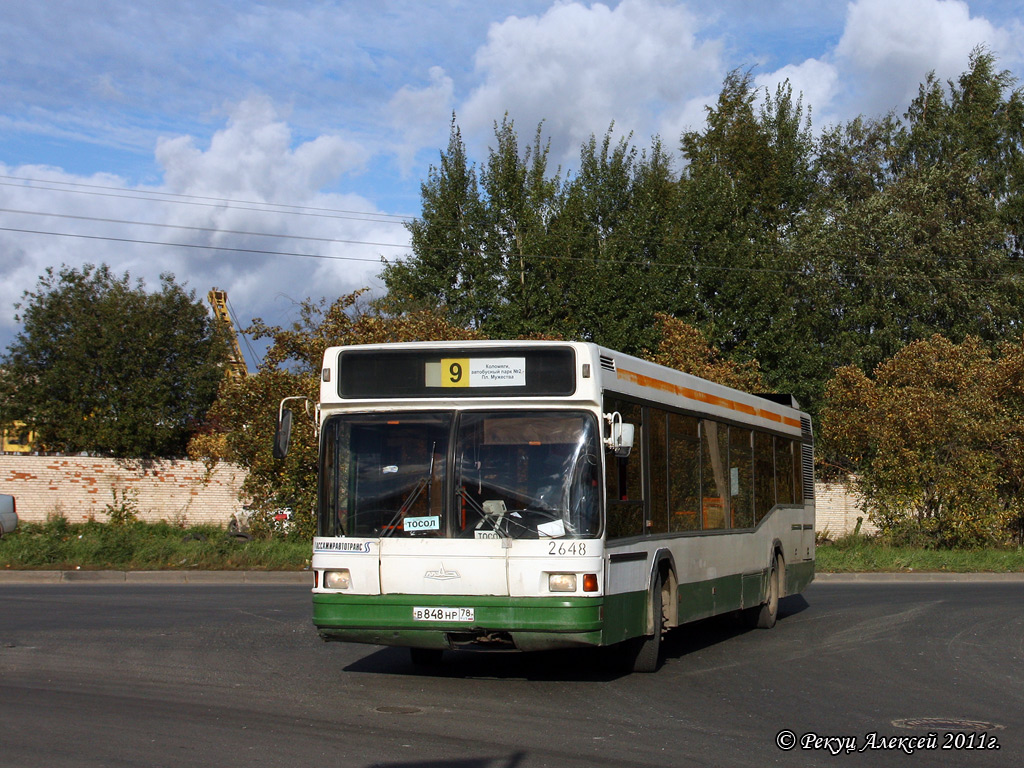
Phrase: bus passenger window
x=741 y=477
x=714 y=479
x=784 y=470
x=658 y=520
x=684 y=473
x=764 y=476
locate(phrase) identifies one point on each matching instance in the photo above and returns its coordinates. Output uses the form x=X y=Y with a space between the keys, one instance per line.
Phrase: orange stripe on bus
x=703 y=397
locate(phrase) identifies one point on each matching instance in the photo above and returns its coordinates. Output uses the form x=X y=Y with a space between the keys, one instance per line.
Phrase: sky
x=276 y=150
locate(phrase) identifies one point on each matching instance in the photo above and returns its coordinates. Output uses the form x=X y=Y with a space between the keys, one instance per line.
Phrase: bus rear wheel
x=764 y=616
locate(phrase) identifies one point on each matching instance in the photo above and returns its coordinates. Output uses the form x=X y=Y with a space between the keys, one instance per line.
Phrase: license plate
x=441 y=613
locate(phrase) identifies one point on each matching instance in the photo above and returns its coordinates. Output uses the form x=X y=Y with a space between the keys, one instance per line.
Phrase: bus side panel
x=798 y=576
x=716 y=573
x=625 y=616
x=627 y=586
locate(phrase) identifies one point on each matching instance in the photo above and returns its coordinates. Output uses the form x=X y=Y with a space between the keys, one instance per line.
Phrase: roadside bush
x=934 y=442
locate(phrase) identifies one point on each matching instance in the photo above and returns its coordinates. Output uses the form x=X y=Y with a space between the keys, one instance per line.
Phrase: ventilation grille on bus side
x=608 y=363
x=807 y=457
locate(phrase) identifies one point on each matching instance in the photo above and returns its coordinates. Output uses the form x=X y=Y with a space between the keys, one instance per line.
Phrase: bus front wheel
x=645 y=652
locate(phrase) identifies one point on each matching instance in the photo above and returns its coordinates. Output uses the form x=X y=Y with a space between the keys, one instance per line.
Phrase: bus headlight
x=340 y=579
x=562 y=582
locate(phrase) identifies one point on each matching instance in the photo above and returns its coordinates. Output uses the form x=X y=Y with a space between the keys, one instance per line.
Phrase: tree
x=685 y=348
x=935 y=439
x=745 y=191
x=513 y=250
x=102 y=365
x=451 y=267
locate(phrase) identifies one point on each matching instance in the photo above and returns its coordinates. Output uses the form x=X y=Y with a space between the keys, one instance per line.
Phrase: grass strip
x=136 y=546
x=60 y=545
x=866 y=556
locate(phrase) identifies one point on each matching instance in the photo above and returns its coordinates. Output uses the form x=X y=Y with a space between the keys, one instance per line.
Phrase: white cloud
x=253 y=156
x=579 y=67
x=889 y=47
x=421 y=115
x=254 y=161
x=816 y=81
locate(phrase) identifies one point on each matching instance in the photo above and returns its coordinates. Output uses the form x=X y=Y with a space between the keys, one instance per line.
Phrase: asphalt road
x=208 y=675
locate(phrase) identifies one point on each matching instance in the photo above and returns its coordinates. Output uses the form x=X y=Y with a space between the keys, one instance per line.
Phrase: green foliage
x=125 y=509
x=928 y=436
x=104 y=366
x=744 y=193
x=915 y=227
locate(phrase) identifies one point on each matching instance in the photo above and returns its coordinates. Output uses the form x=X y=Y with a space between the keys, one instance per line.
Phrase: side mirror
x=283 y=434
x=620 y=439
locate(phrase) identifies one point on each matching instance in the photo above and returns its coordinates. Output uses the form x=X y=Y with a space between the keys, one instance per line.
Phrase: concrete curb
x=904 y=577
x=156 y=577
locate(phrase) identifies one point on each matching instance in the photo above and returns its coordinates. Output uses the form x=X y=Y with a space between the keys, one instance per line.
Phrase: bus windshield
x=481 y=475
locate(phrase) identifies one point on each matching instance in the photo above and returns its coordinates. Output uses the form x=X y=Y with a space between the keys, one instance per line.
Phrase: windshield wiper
x=423 y=482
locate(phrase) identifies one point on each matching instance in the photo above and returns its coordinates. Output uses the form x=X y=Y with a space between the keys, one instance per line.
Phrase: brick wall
x=81 y=487
x=837 y=509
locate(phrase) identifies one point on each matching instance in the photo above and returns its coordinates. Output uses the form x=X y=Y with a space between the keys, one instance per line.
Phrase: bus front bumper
x=524 y=623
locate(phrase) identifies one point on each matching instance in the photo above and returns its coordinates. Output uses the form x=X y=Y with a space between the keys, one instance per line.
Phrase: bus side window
x=658 y=520
x=624 y=478
x=764 y=475
x=684 y=473
x=741 y=477
x=784 y=470
x=714 y=474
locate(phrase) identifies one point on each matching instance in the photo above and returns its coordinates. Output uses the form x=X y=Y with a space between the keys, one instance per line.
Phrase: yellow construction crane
x=236 y=362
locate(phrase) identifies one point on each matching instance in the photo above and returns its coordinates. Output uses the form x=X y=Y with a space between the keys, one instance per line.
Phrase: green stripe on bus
x=798 y=576
x=551 y=614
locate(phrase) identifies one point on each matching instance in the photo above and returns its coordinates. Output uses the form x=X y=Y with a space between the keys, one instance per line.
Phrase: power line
x=304 y=211
x=215 y=230
x=196 y=246
x=313 y=238
x=109 y=191
x=125 y=193
x=532 y=257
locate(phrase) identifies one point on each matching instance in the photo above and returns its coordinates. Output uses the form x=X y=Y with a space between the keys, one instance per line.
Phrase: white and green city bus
x=535 y=495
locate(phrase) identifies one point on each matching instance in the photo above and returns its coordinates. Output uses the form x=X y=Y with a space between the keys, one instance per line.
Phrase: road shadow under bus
x=583 y=665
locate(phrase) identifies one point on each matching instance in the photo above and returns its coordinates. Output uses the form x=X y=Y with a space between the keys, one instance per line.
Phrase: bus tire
x=647 y=650
x=767 y=613
x=425 y=657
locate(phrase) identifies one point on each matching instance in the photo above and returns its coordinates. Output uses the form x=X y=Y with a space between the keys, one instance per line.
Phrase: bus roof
x=399 y=374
